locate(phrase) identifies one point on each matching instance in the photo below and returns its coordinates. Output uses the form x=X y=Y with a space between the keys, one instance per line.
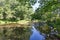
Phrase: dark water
x=36 y=35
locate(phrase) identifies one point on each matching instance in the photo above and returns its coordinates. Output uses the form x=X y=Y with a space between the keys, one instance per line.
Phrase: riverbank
x=21 y=23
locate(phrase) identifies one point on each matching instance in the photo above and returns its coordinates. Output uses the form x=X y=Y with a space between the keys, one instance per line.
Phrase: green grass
x=20 y=22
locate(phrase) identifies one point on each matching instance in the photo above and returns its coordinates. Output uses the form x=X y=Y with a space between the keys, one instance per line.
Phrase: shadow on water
x=36 y=35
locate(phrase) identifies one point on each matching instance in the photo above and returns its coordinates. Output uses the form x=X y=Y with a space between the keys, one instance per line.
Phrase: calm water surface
x=36 y=35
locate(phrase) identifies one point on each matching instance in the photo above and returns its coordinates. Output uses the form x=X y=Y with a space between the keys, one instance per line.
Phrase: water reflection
x=36 y=34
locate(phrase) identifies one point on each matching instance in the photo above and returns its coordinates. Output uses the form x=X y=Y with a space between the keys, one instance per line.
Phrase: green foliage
x=15 y=10
x=47 y=8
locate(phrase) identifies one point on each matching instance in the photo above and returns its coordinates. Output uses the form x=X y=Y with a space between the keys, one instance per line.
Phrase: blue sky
x=36 y=5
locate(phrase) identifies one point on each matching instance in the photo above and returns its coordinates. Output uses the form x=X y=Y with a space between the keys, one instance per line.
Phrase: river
x=36 y=35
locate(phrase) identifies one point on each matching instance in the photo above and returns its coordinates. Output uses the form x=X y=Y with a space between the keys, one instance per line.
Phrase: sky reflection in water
x=36 y=35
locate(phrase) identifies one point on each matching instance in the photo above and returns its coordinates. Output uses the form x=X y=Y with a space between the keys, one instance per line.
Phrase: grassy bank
x=21 y=23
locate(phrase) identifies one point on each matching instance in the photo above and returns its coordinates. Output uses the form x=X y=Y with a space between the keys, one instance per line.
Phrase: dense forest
x=12 y=10
x=47 y=15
